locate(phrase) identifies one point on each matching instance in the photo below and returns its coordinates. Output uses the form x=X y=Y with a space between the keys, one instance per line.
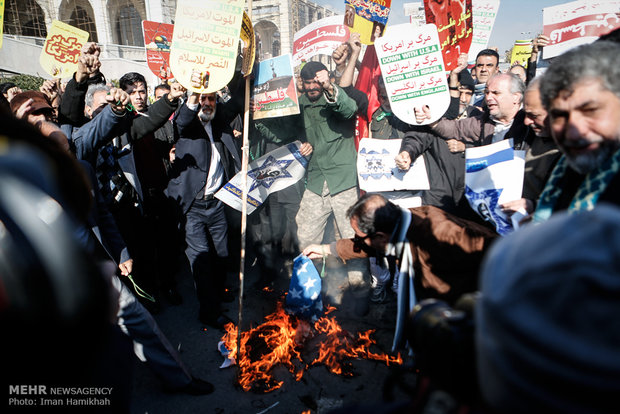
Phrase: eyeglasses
x=358 y=242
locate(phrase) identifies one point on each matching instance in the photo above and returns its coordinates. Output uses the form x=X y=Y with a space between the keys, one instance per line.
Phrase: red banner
x=157 y=38
x=454 y=22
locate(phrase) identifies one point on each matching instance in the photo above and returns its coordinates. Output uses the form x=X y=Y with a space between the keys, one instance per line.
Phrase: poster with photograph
x=367 y=17
x=274 y=91
x=157 y=40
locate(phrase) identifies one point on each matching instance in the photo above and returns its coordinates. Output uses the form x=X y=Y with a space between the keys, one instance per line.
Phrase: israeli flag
x=272 y=172
x=493 y=176
x=304 y=292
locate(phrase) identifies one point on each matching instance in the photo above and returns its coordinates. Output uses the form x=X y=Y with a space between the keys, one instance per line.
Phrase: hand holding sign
x=176 y=91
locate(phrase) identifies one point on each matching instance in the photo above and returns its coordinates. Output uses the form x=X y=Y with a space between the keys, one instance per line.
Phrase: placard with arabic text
x=205 y=42
x=62 y=48
x=413 y=71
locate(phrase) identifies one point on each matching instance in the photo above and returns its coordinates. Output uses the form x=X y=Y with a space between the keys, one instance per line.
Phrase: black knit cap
x=310 y=69
x=466 y=80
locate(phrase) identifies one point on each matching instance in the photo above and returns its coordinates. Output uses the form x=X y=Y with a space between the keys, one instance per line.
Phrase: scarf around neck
x=588 y=193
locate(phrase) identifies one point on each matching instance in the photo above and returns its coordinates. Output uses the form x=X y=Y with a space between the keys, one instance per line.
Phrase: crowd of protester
x=145 y=171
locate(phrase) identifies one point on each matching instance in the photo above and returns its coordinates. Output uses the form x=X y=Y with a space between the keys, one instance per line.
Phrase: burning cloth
x=304 y=292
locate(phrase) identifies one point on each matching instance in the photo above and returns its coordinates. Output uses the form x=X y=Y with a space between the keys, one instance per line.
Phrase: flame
x=340 y=345
x=279 y=340
x=263 y=348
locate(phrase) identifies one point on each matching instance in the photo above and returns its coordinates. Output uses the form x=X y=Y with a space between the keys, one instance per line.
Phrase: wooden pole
x=244 y=197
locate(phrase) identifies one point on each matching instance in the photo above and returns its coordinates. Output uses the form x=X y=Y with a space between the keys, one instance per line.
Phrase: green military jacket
x=330 y=129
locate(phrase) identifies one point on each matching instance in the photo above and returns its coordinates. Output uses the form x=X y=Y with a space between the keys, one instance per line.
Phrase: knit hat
x=466 y=80
x=547 y=326
x=310 y=69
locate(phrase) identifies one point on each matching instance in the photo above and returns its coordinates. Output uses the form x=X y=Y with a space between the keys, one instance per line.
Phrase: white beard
x=204 y=117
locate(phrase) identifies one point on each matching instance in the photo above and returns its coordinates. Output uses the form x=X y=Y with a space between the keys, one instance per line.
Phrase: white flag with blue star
x=377 y=170
x=304 y=292
x=272 y=172
x=493 y=176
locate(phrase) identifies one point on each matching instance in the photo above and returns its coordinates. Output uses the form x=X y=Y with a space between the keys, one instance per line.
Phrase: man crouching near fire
x=437 y=254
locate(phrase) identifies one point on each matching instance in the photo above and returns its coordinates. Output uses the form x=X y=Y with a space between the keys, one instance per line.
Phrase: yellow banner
x=248 y=49
x=62 y=48
x=521 y=52
x=1 y=21
x=205 y=42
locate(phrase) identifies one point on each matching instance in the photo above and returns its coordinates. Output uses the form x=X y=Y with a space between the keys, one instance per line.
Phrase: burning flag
x=304 y=292
x=282 y=338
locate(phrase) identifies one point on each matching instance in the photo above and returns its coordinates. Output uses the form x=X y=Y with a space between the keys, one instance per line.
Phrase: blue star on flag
x=304 y=295
x=271 y=170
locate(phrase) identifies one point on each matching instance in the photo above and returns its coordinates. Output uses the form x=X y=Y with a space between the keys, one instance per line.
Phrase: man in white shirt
x=206 y=157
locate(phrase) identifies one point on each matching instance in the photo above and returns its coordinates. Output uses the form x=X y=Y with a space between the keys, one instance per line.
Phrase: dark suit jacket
x=190 y=169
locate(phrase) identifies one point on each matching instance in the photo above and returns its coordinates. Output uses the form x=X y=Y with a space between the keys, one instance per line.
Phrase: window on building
x=79 y=13
x=24 y=18
x=129 y=27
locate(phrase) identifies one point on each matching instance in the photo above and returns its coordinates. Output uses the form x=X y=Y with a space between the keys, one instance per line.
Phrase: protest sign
x=157 y=39
x=205 y=42
x=248 y=48
x=367 y=17
x=493 y=176
x=274 y=92
x=484 y=13
x=62 y=48
x=1 y=21
x=413 y=71
x=272 y=172
x=521 y=52
x=377 y=170
x=576 y=23
x=319 y=38
x=454 y=25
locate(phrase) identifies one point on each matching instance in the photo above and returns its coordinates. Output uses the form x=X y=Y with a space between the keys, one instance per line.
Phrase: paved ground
x=318 y=391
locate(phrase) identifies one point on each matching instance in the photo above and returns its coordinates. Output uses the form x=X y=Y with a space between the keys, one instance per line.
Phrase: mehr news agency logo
x=42 y=395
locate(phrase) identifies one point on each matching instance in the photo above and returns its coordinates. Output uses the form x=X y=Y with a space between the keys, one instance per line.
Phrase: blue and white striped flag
x=304 y=292
x=493 y=176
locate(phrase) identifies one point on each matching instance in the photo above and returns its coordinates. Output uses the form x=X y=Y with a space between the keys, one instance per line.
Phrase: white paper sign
x=577 y=23
x=493 y=176
x=272 y=172
x=484 y=12
x=413 y=71
x=377 y=170
x=319 y=38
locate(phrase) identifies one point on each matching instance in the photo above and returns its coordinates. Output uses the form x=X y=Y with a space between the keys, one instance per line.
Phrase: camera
x=442 y=340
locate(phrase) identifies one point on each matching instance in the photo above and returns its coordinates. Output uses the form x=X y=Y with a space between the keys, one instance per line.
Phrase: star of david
x=271 y=170
x=492 y=196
